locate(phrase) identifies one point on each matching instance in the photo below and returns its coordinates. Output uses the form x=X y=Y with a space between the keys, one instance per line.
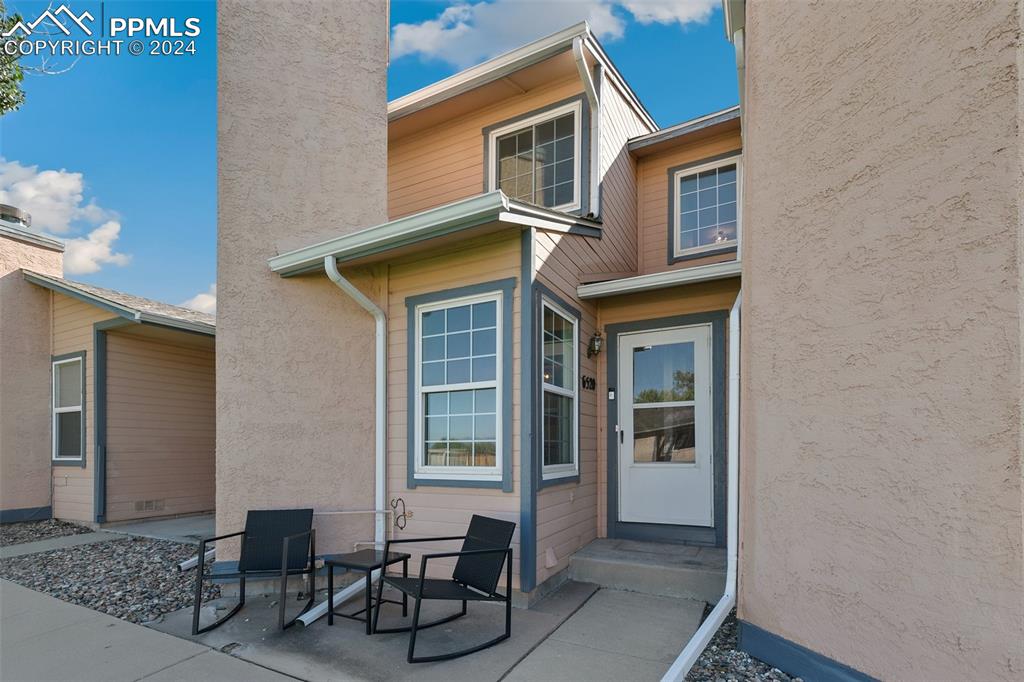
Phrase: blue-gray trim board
x=794 y=659
x=585 y=114
x=527 y=483
x=542 y=293
x=506 y=287
x=672 y=207
x=78 y=355
x=25 y=514
x=663 y=532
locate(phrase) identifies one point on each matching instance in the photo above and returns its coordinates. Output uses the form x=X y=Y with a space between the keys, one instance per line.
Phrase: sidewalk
x=42 y=638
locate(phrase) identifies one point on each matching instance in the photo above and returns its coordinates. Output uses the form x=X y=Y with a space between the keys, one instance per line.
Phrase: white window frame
x=576 y=108
x=557 y=471
x=449 y=473
x=54 y=410
x=686 y=172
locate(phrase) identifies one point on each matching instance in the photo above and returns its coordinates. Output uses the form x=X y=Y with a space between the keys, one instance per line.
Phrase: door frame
x=658 y=532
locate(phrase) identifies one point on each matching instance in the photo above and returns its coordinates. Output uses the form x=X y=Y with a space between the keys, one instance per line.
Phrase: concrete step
x=652 y=568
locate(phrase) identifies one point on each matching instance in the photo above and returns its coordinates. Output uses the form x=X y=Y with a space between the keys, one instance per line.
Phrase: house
x=108 y=398
x=512 y=293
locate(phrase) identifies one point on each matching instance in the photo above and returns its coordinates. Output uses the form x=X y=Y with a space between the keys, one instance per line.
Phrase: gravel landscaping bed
x=135 y=579
x=723 y=662
x=32 y=531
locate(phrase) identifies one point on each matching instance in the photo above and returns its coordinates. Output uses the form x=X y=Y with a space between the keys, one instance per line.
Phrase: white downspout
x=595 y=129
x=689 y=655
x=380 y=426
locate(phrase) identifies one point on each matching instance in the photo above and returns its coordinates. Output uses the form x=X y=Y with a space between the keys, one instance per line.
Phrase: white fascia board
x=660 y=280
x=14 y=231
x=434 y=222
x=174 y=323
x=683 y=128
x=619 y=81
x=489 y=71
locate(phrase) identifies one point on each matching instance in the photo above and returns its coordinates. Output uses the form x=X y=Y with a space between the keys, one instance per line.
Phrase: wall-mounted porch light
x=595 y=345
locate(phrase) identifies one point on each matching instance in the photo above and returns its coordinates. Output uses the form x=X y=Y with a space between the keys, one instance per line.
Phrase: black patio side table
x=367 y=561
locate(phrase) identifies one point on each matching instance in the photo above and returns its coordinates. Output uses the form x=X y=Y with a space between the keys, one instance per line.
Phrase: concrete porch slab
x=681 y=571
x=344 y=652
x=615 y=636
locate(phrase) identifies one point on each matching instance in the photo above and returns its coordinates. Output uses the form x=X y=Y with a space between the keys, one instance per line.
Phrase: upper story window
x=706 y=207
x=538 y=159
x=68 y=414
x=458 y=384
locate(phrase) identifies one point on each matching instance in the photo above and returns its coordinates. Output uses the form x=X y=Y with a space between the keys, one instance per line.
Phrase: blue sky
x=121 y=150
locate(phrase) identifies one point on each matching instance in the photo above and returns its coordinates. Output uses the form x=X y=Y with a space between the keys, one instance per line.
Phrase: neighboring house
x=553 y=280
x=108 y=398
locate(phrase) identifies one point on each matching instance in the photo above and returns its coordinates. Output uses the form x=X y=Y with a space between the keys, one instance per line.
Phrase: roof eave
x=426 y=225
x=126 y=312
x=641 y=142
x=661 y=280
x=491 y=70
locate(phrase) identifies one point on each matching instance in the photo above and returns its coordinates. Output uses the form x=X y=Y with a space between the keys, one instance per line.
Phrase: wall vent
x=149 y=505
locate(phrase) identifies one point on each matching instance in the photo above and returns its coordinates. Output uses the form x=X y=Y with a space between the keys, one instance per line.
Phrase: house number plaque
x=588 y=383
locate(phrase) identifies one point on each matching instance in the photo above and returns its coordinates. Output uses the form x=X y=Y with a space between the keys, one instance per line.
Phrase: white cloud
x=56 y=201
x=469 y=33
x=682 y=12
x=53 y=197
x=83 y=255
x=204 y=302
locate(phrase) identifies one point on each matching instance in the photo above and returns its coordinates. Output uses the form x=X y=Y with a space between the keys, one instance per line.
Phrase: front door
x=665 y=427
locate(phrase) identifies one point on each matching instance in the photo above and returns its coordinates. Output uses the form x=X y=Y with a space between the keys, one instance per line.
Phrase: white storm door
x=665 y=427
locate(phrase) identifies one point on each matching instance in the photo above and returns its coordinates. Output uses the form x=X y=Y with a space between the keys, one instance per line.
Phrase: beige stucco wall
x=881 y=434
x=301 y=157
x=25 y=375
x=160 y=423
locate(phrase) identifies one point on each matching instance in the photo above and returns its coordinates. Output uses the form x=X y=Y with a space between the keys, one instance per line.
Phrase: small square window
x=538 y=163
x=706 y=207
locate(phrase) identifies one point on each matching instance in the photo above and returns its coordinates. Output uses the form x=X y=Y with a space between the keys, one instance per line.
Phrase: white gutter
x=380 y=425
x=689 y=655
x=595 y=127
x=660 y=280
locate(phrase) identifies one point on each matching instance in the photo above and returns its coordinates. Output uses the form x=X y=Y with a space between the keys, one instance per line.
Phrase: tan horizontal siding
x=651 y=305
x=445 y=162
x=653 y=199
x=438 y=510
x=567 y=512
x=160 y=426
x=72 y=332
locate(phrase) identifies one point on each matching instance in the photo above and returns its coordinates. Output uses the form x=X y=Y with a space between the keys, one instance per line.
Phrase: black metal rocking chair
x=275 y=543
x=486 y=549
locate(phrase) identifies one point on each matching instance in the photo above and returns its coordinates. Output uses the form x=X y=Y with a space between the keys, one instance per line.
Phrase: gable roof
x=510 y=62
x=134 y=308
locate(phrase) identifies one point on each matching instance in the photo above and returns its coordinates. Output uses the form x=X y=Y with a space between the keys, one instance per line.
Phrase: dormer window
x=706 y=213
x=537 y=159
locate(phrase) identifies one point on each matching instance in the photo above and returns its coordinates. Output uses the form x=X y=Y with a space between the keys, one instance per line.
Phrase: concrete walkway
x=615 y=636
x=187 y=530
x=42 y=638
x=59 y=542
